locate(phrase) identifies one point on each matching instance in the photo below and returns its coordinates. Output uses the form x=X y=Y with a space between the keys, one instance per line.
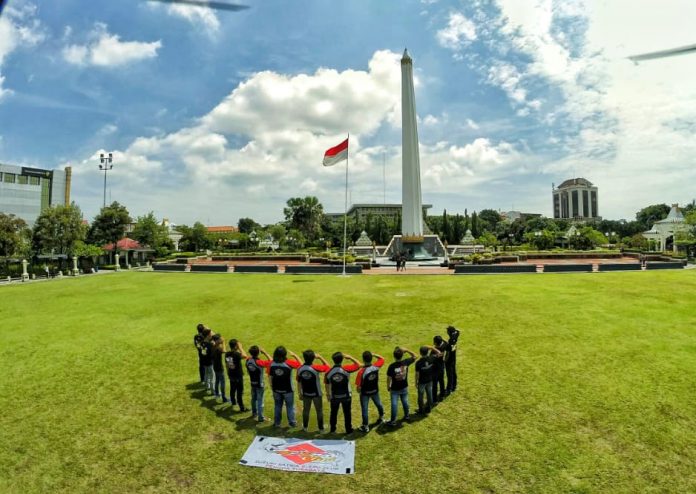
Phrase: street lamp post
x=106 y=164
x=253 y=237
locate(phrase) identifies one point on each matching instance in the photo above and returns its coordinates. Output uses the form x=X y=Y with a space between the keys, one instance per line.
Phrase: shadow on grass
x=230 y=413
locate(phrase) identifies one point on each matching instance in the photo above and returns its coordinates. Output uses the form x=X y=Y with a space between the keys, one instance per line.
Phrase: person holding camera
x=233 y=361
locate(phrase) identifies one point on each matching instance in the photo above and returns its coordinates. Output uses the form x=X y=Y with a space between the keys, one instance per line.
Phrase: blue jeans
x=425 y=390
x=257 y=403
x=289 y=400
x=220 y=384
x=395 y=395
x=209 y=377
x=365 y=401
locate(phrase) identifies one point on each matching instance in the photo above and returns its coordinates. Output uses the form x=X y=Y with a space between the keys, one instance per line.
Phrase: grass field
x=568 y=383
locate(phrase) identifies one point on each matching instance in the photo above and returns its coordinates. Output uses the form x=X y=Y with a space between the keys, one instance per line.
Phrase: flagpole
x=345 y=212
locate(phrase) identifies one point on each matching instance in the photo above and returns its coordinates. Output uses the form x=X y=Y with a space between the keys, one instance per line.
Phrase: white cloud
x=107 y=50
x=271 y=130
x=625 y=139
x=203 y=17
x=458 y=33
x=19 y=28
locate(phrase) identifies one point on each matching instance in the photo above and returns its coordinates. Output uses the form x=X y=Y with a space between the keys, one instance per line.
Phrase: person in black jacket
x=207 y=359
x=233 y=362
x=218 y=353
x=337 y=382
x=439 y=390
x=198 y=343
x=451 y=361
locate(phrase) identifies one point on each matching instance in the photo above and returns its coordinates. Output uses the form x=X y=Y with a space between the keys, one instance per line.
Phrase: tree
x=278 y=232
x=14 y=235
x=649 y=215
x=446 y=231
x=487 y=240
x=247 y=225
x=110 y=225
x=588 y=238
x=474 y=225
x=541 y=239
x=458 y=229
x=488 y=219
x=148 y=231
x=194 y=238
x=305 y=214
x=57 y=230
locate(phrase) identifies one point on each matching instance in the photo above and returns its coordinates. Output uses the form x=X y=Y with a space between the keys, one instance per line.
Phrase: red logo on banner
x=305 y=453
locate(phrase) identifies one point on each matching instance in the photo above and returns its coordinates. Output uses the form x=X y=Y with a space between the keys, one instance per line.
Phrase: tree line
x=61 y=230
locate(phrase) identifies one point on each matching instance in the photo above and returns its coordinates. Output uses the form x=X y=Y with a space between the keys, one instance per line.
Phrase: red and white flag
x=336 y=154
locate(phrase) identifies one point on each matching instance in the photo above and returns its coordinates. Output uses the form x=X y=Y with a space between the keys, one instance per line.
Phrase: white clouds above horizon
x=19 y=27
x=104 y=49
x=458 y=33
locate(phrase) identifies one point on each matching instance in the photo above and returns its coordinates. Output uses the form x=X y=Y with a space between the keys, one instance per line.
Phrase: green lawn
x=568 y=383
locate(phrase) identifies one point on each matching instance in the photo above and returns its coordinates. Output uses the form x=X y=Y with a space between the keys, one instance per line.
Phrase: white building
x=663 y=231
x=576 y=199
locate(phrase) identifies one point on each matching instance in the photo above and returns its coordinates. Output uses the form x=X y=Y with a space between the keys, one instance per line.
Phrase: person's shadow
x=244 y=421
x=225 y=411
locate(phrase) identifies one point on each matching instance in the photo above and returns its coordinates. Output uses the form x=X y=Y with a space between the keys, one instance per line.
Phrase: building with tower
x=576 y=199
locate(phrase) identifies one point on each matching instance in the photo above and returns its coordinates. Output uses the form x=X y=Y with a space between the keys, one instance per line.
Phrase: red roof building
x=126 y=244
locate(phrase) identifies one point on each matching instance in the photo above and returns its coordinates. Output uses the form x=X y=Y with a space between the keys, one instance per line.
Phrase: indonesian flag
x=336 y=154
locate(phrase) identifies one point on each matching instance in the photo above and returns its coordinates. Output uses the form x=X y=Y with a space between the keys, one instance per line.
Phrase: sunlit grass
x=570 y=383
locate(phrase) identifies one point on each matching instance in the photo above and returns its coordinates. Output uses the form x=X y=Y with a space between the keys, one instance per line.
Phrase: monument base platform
x=428 y=248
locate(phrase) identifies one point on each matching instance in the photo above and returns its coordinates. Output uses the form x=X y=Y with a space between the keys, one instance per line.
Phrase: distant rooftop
x=575 y=181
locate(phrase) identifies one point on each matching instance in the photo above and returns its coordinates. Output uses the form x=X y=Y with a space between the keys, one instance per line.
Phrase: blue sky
x=214 y=116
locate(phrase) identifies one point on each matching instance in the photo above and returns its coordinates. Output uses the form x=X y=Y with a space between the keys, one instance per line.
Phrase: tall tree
x=488 y=219
x=446 y=231
x=58 y=229
x=474 y=225
x=305 y=214
x=110 y=225
x=148 y=231
x=194 y=238
x=247 y=225
x=458 y=229
x=649 y=215
x=14 y=235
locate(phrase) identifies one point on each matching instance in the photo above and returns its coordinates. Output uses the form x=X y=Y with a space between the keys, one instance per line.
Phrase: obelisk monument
x=411 y=201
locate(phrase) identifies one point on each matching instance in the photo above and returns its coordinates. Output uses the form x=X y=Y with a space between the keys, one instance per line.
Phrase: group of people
x=400 y=259
x=433 y=364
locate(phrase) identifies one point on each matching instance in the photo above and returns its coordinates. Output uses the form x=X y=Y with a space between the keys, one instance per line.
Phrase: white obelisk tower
x=411 y=202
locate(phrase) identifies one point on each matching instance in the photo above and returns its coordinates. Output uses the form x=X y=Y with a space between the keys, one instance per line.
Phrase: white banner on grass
x=301 y=455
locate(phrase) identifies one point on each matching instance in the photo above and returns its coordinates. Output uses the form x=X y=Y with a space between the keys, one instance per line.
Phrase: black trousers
x=451 y=369
x=236 y=390
x=333 y=417
x=201 y=368
x=439 y=384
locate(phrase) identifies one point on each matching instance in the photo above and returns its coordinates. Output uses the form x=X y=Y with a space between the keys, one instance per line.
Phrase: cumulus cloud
x=458 y=33
x=271 y=130
x=104 y=49
x=19 y=28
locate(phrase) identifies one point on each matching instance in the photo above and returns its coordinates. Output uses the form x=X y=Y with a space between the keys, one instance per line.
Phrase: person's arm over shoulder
x=411 y=353
x=321 y=367
x=295 y=364
x=261 y=350
x=379 y=362
x=241 y=350
x=358 y=379
x=351 y=367
x=322 y=360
